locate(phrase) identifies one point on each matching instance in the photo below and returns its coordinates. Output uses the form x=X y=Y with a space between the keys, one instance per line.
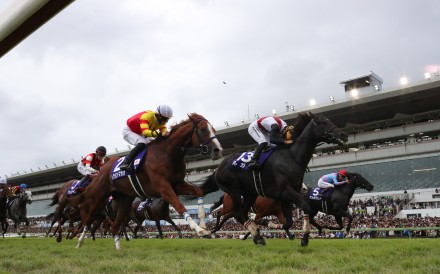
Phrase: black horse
x=337 y=202
x=159 y=209
x=281 y=176
x=17 y=211
x=5 y=192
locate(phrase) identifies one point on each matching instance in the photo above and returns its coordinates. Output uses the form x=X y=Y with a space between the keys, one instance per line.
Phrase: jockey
x=330 y=180
x=142 y=128
x=266 y=131
x=91 y=164
x=16 y=190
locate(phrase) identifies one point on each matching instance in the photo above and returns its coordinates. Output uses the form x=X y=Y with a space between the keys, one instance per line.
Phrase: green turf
x=42 y=255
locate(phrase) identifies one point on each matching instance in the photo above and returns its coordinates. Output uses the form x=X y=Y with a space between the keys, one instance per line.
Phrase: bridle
x=203 y=145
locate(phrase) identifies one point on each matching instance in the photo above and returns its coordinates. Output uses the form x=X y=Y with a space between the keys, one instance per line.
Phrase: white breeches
x=134 y=138
x=323 y=184
x=85 y=170
x=257 y=134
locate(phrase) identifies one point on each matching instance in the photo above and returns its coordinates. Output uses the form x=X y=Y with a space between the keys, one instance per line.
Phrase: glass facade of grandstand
x=416 y=173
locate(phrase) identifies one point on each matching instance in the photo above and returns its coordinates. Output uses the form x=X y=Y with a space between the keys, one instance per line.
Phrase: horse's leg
x=185 y=189
x=289 y=195
x=159 y=228
x=188 y=189
x=315 y=224
x=225 y=218
x=169 y=220
x=121 y=217
x=286 y=218
x=240 y=210
x=246 y=235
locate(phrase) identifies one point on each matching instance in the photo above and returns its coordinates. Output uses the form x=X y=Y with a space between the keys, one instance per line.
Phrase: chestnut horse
x=158 y=210
x=281 y=176
x=161 y=174
x=66 y=212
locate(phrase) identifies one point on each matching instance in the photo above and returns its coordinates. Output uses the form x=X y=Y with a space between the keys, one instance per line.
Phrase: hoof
x=59 y=239
x=204 y=234
x=304 y=242
x=259 y=240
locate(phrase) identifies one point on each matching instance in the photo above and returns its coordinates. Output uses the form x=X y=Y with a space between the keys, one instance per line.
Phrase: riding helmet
x=23 y=186
x=343 y=172
x=165 y=111
x=101 y=151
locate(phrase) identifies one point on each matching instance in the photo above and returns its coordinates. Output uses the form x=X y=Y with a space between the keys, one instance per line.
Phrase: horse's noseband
x=203 y=144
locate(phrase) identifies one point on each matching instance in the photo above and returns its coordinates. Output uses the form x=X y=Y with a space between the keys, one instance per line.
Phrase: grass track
x=42 y=255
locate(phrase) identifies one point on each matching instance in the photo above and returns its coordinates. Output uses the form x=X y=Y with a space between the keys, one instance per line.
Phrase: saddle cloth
x=243 y=160
x=117 y=173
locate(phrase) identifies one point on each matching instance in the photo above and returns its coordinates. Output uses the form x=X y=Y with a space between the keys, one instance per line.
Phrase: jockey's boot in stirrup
x=83 y=180
x=253 y=164
x=127 y=164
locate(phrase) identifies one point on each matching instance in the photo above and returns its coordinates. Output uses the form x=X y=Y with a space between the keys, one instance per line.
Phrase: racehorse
x=337 y=202
x=158 y=210
x=263 y=207
x=59 y=215
x=5 y=192
x=17 y=211
x=281 y=176
x=161 y=174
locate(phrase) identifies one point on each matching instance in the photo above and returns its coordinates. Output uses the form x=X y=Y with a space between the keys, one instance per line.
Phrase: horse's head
x=204 y=138
x=25 y=197
x=327 y=131
x=359 y=181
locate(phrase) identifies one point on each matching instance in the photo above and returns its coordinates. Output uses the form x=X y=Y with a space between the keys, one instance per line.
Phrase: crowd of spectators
x=381 y=217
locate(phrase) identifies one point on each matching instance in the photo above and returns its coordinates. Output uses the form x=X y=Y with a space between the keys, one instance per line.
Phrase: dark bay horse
x=337 y=202
x=161 y=174
x=158 y=210
x=281 y=176
x=5 y=192
x=18 y=212
x=263 y=207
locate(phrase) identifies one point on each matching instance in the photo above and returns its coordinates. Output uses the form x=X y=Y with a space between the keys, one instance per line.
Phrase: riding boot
x=83 y=180
x=253 y=164
x=127 y=164
x=324 y=191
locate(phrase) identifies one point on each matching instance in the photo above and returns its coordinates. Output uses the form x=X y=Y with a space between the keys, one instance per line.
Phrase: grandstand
x=393 y=142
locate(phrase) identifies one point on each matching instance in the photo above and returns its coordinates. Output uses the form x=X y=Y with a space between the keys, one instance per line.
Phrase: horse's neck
x=181 y=138
x=302 y=150
x=348 y=190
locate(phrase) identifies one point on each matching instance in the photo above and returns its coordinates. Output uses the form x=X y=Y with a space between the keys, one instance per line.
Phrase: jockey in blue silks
x=329 y=181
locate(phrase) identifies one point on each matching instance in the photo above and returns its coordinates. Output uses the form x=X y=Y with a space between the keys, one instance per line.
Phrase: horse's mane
x=191 y=117
x=300 y=123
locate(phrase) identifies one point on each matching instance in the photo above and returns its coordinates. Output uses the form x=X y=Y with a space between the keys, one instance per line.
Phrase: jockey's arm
x=274 y=136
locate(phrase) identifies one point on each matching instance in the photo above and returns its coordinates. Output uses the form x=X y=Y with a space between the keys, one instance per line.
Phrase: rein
x=202 y=147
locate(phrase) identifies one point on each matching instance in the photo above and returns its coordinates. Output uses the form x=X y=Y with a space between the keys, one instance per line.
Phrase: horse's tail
x=54 y=200
x=217 y=204
x=49 y=216
x=210 y=185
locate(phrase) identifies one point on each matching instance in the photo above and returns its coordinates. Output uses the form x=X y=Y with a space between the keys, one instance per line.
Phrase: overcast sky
x=71 y=85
